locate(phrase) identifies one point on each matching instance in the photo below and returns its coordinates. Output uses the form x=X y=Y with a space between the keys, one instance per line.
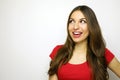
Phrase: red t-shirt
x=77 y=71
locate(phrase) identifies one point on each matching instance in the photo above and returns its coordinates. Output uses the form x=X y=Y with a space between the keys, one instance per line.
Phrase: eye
x=71 y=21
x=83 y=21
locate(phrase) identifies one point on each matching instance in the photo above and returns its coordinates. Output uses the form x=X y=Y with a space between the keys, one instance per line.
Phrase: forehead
x=77 y=14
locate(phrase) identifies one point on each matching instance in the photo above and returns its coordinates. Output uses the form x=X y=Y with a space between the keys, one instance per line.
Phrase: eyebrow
x=83 y=18
x=80 y=18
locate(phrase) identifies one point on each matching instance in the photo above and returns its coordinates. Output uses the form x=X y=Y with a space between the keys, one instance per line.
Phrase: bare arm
x=114 y=66
x=53 y=77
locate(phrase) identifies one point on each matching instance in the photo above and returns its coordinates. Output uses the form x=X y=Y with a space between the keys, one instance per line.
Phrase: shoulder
x=108 y=55
x=54 y=51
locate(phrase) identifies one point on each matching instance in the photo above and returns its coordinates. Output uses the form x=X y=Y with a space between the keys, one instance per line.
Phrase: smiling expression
x=77 y=27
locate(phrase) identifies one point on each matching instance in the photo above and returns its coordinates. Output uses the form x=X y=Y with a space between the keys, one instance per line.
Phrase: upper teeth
x=76 y=32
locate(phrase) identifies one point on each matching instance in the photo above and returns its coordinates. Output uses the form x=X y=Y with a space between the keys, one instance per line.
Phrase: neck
x=81 y=47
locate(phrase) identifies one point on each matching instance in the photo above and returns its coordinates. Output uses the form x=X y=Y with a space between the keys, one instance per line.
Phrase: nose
x=76 y=26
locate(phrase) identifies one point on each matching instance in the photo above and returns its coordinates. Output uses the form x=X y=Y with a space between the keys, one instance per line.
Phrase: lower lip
x=76 y=36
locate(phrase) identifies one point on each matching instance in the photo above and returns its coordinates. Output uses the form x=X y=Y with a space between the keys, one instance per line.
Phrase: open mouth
x=77 y=34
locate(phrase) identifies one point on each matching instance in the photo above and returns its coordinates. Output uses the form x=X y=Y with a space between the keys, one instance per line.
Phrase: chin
x=79 y=41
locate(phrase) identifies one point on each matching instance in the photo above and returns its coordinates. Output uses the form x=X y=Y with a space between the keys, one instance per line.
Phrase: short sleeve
x=54 y=51
x=109 y=56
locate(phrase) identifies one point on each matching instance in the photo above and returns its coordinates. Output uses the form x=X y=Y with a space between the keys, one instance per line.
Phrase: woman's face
x=77 y=27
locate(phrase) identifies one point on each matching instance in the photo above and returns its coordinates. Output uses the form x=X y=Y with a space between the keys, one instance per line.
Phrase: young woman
x=84 y=55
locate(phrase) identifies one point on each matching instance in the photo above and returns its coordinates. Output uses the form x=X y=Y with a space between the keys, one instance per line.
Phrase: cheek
x=86 y=31
x=70 y=28
x=85 y=28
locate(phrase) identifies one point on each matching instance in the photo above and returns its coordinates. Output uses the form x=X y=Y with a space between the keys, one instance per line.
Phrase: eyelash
x=70 y=21
x=81 y=21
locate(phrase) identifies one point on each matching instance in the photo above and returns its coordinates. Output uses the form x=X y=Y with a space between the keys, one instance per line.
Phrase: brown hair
x=95 y=47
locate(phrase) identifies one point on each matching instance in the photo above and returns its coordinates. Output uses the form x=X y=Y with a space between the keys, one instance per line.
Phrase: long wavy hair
x=95 y=47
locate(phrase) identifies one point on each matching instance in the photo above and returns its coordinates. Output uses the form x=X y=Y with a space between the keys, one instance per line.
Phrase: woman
x=84 y=55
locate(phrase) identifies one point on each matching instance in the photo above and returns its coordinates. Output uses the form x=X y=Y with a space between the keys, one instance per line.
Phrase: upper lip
x=77 y=32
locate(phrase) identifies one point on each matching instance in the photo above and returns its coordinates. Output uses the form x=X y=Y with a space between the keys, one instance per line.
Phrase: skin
x=114 y=66
x=78 y=26
x=53 y=77
x=79 y=32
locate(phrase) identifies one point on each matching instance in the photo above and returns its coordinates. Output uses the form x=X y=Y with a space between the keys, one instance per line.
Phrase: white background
x=30 y=29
